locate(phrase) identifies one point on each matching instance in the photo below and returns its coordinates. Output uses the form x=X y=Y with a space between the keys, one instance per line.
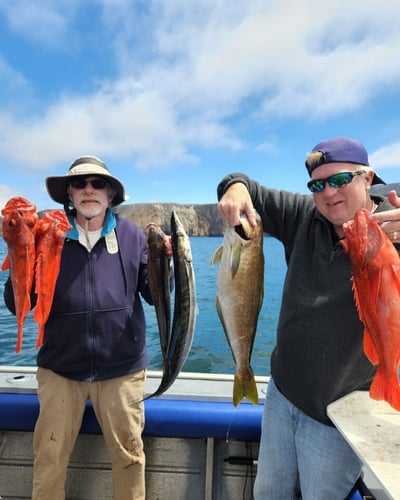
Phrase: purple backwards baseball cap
x=341 y=149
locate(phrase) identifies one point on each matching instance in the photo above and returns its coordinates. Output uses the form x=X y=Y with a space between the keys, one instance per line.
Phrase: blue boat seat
x=163 y=417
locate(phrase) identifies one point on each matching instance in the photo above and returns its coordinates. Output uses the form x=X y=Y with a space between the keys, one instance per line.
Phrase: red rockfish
x=19 y=228
x=50 y=238
x=375 y=266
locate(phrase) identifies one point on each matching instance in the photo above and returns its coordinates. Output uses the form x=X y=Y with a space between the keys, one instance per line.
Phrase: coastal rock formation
x=198 y=220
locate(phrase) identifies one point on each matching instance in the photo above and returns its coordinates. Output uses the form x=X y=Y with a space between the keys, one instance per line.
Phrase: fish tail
x=244 y=385
x=6 y=263
x=18 y=346
x=386 y=388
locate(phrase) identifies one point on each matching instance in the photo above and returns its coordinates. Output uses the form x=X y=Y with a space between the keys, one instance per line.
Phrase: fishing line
x=230 y=425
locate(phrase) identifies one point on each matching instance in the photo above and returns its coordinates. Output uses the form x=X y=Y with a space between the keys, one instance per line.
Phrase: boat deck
x=372 y=428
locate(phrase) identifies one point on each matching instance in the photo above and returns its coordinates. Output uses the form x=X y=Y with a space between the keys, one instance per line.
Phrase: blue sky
x=174 y=94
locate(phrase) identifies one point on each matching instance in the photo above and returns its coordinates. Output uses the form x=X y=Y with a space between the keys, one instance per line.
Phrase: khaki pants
x=119 y=410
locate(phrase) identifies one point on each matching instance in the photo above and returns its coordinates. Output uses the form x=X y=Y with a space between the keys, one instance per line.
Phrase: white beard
x=90 y=210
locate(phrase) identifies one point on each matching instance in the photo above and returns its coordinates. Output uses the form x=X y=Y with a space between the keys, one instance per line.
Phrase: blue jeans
x=300 y=453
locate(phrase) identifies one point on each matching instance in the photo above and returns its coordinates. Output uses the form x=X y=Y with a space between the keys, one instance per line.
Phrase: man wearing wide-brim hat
x=94 y=340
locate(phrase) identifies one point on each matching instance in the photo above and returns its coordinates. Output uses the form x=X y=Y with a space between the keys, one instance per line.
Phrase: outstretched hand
x=234 y=202
x=168 y=246
x=390 y=219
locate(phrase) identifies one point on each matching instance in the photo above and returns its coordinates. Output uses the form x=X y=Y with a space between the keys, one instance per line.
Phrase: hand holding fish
x=390 y=219
x=167 y=245
x=237 y=201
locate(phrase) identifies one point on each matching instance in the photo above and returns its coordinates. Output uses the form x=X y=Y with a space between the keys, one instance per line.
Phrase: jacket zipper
x=91 y=325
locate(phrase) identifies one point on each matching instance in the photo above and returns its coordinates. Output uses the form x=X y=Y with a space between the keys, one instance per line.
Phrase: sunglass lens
x=78 y=183
x=99 y=183
x=340 y=180
x=316 y=186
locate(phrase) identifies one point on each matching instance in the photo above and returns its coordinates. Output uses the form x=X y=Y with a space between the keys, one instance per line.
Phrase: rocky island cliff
x=198 y=220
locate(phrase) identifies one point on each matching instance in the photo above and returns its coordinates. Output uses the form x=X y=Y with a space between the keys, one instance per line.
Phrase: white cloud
x=43 y=22
x=386 y=157
x=186 y=69
x=6 y=192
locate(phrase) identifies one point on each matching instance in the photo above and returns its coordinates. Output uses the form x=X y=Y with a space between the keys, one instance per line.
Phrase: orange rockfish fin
x=374 y=287
x=396 y=275
x=6 y=263
x=357 y=300
x=370 y=348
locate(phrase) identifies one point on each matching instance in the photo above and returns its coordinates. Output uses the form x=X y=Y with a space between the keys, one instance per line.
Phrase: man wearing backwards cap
x=319 y=355
x=94 y=342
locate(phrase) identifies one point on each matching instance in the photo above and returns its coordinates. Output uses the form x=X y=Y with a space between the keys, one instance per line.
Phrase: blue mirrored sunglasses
x=336 y=181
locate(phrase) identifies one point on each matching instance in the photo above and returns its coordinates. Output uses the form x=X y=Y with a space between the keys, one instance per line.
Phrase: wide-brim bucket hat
x=84 y=166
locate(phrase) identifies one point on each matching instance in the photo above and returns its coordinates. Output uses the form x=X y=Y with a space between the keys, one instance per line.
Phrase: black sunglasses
x=336 y=181
x=81 y=183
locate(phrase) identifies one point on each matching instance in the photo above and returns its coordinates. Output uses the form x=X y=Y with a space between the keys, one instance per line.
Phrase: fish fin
x=6 y=263
x=375 y=285
x=236 y=253
x=386 y=388
x=244 y=385
x=216 y=258
x=18 y=345
x=396 y=275
x=369 y=348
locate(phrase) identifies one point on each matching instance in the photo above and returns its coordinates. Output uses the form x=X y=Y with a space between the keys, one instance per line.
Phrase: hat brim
x=57 y=187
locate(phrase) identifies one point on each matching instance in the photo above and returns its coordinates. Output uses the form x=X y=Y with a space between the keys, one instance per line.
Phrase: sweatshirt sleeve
x=232 y=179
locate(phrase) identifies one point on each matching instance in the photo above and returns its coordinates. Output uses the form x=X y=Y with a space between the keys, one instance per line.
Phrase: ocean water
x=210 y=351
